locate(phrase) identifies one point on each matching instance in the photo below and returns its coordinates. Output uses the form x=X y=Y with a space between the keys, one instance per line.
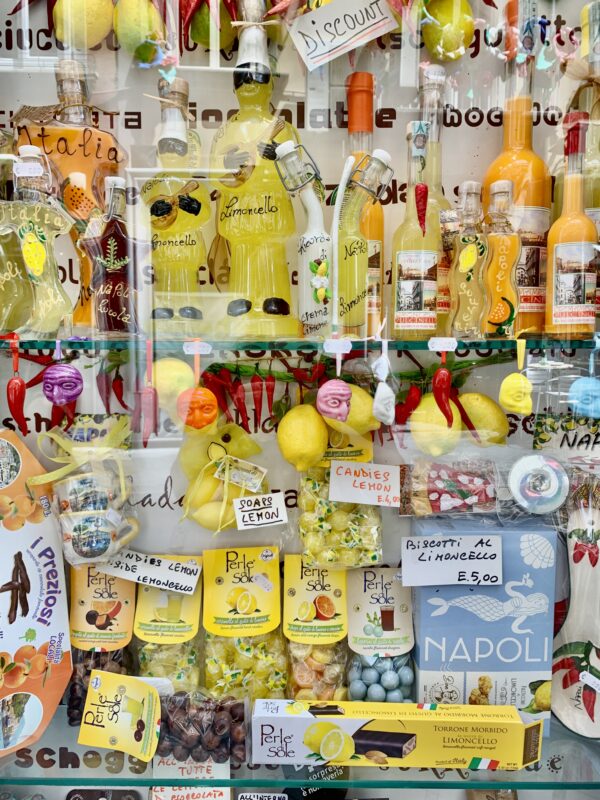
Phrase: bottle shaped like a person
x=179 y=207
x=471 y=252
x=301 y=177
x=112 y=254
x=81 y=156
x=367 y=183
x=416 y=249
x=502 y=297
x=572 y=243
x=37 y=219
x=255 y=212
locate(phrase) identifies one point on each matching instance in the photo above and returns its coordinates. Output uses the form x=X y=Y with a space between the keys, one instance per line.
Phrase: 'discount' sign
x=338 y=27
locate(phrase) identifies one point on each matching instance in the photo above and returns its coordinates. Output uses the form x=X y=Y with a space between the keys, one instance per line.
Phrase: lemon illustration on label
x=337 y=746
x=33 y=248
x=467 y=258
x=246 y=603
x=306 y=611
x=315 y=733
x=233 y=596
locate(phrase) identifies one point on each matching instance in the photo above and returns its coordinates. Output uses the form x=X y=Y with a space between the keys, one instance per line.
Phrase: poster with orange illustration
x=35 y=650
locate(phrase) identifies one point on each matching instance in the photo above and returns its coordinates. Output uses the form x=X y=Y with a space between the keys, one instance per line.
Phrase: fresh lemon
x=447 y=28
x=306 y=611
x=302 y=437
x=467 y=258
x=488 y=418
x=337 y=746
x=202 y=22
x=82 y=24
x=360 y=419
x=246 y=603
x=315 y=733
x=543 y=696
x=233 y=596
x=429 y=428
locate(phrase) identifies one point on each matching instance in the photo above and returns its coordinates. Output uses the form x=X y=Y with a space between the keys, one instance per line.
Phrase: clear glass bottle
x=572 y=241
x=518 y=162
x=432 y=103
x=301 y=176
x=37 y=220
x=360 y=89
x=501 y=275
x=416 y=248
x=179 y=207
x=112 y=254
x=370 y=177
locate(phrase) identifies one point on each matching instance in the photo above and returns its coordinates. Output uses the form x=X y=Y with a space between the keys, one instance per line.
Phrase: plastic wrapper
x=465 y=486
x=381 y=680
x=180 y=663
x=199 y=727
x=83 y=663
x=333 y=534
x=317 y=671
x=253 y=666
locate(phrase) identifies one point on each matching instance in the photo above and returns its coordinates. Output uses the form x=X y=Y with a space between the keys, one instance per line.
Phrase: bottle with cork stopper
x=571 y=280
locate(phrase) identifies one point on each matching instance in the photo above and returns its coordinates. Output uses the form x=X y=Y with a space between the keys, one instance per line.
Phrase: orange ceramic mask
x=197 y=407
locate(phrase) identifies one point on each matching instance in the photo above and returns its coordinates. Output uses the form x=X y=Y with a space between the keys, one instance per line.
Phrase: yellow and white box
x=385 y=734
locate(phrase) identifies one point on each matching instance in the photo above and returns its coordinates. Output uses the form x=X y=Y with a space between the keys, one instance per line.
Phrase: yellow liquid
x=16 y=291
x=501 y=287
x=467 y=298
x=256 y=217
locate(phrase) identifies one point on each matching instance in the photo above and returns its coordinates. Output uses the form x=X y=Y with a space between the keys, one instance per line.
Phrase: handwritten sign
x=452 y=560
x=167 y=767
x=260 y=510
x=338 y=27
x=371 y=484
x=162 y=573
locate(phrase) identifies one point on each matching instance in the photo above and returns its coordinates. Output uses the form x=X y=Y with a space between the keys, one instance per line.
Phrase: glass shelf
x=568 y=762
x=295 y=345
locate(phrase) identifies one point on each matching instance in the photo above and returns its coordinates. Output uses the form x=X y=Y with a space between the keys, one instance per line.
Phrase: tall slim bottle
x=416 y=248
x=501 y=275
x=529 y=174
x=432 y=101
x=360 y=89
x=353 y=259
x=571 y=303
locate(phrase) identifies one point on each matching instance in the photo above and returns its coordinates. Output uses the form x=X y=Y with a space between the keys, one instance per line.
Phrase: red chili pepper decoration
x=57 y=416
x=405 y=409
x=270 y=383
x=104 y=386
x=210 y=380
x=256 y=384
x=563 y=663
x=15 y=392
x=570 y=678
x=238 y=395
x=149 y=401
x=421 y=194
x=466 y=419
x=118 y=389
x=441 y=386
x=589 y=700
x=136 y=414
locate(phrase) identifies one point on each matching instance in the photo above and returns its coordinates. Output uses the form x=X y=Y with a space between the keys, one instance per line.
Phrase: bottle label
x=374 y=277
x=574 y=284
x=449 y=227
x=314 y=252
x=532 y=222
x=594 y=215
x=314 y=603
x=416 y=289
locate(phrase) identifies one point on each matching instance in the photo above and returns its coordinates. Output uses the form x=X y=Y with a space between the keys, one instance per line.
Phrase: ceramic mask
x=62 y=384
x=333 y=400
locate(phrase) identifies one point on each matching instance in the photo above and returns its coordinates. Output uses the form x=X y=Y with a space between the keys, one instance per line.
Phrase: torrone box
x=385 y=734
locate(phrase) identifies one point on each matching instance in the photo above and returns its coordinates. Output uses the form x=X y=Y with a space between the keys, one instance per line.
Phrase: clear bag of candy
x=317 y=672
x=252 y=666
x=118 y=661
x=334 y=534
x=180 y=663
x=381 y=680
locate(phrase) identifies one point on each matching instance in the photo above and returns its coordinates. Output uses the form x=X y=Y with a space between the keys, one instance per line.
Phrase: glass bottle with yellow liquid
x=467 y=290
x=432 y=102
x=36 y=219
x=532 y=185
x=572 y=242
x=501 y=274
x=81 y=156
x=416 y=248
x=255 y=214
x=179 y=207
x=360 y=88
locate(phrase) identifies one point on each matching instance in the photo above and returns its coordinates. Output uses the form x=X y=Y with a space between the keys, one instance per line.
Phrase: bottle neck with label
x=172 y=144
x=115 y=198
x=32 y=180
x=470 y=215
x=71 y=88
x=518 y=108
x=434 y=78
x=576 y=124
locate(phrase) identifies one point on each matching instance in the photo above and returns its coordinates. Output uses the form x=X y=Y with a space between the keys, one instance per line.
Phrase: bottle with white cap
x=32 y=221
x=112 y=253
x=502 y=297
x=368 y=181
x=300 y=175
x=471 y=255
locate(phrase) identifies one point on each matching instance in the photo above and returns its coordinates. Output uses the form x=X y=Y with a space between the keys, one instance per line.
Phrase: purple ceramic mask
x=62 y=384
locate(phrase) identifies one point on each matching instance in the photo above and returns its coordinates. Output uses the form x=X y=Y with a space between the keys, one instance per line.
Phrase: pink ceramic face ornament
x=63 y=384
x=333 y=400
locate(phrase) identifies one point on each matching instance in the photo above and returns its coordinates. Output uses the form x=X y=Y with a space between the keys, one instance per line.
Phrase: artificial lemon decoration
x=82 y=24
x=488 y=418
x=543 y=696
x=360 y=420
x=137 y=23
x=302 y=437
x=447 y=27
x=515 y=394
x=203 y=21
x=429 y=428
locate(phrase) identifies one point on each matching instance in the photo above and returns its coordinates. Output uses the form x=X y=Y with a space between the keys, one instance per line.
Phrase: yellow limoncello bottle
x=179 y=207
x=416 y=248
x=255 y=214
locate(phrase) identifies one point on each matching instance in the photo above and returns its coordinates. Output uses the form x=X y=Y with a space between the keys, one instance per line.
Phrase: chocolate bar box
x=490 y=645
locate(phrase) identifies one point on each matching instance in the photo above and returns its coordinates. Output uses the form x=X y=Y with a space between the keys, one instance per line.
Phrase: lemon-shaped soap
x=360 y=419
x=429 y=428
x=302 y=437
x=488 y=418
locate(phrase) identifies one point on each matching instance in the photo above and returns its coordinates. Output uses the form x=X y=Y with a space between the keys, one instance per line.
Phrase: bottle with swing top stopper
x=501 y=274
